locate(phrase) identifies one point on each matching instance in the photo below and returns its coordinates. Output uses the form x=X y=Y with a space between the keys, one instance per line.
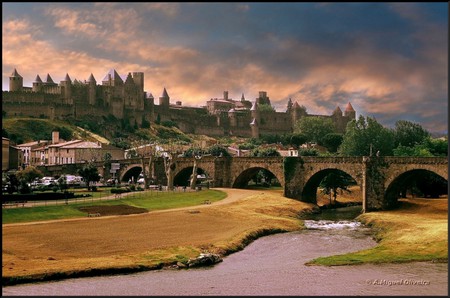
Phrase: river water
x=271 y=265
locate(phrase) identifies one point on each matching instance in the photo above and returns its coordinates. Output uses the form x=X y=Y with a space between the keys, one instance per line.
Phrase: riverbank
x=132 y=243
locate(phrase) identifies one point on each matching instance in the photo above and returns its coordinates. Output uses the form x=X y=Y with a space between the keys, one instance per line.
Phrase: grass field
x=147 y=200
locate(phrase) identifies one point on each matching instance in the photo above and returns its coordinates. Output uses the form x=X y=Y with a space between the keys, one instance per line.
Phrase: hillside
x=23 y=130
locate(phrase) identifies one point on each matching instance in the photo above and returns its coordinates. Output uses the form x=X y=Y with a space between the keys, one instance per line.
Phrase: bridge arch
x=241 y=181
x=398 y=185
x=132 y=170
x=182 y=177
x=242 y=167
x=309 y=193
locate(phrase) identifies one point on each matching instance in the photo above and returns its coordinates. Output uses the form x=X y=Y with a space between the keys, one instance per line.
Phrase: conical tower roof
x=38 y=79
x=164 y=94
x=349 y=108
x=15 y=74
x=91 y=78
x=49 y=79
x=337 y=111
x=254 y=106
x=67 y=78
x=254 y=122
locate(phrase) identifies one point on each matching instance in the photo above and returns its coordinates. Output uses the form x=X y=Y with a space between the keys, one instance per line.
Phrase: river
x=271 y=265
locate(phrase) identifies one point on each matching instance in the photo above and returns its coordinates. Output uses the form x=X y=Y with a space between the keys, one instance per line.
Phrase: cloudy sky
x=390 y=60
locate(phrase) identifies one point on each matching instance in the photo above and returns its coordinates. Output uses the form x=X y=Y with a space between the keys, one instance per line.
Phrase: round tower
x=232 y=117
x=349 y=111
x=37 y=84
x=255 y=128
x=67 y=89
x=164 y=99
x=92 y=86
x=255 y=112
x=15 y=81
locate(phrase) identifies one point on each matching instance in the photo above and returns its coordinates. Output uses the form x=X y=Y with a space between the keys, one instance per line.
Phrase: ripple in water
x=331 y=224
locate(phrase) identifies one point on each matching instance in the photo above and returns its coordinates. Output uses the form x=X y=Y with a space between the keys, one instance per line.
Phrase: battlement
x=124 y=98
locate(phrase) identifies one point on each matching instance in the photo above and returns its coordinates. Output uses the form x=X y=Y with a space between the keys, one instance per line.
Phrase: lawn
x=150 y=200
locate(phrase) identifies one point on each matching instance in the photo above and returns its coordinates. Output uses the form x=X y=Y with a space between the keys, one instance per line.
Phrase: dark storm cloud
x=389 y=59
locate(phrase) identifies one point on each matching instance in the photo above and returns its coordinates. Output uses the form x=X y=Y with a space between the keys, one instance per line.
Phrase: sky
x=389 y=60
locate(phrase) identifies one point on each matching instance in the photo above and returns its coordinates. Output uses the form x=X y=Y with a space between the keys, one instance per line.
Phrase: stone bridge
x=381 y=179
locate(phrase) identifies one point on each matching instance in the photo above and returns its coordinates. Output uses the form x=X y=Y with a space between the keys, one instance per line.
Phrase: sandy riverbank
x=144 y=241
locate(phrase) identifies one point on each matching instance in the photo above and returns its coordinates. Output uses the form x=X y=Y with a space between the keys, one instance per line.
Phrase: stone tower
x=232 y=117
x=255 y=128
x=349 y=111
x=138 y=78
x=66 y=85
x=164 y=99
x=15 y=81
x=92 y=86
x=37 y=84
x=255 y=112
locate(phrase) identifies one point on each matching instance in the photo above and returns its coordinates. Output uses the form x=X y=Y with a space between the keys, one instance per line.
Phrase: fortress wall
x=27 y=97
x=276 y=122
x=37 y=109
x=211 y=131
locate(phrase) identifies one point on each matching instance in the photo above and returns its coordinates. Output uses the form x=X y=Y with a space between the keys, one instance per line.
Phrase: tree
x=257 y=152
x=217 y=150
x=29 y=174
x=314 y=128
x=365 y=136
x=417 y=150
x=335 y=181
x=407 y=133
x=89 y=172
x=332 y=141
x=297 y=139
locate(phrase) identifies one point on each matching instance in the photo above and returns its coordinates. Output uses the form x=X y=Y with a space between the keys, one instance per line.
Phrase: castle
x=126 y=99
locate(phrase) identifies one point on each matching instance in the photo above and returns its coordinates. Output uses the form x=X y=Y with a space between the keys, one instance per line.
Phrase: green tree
x=314 y=128
x=365 y=136
x=407 y=133
x=308 y=152
x=335 y=181
x=217 y=150
x=296 y=139
x=264 y=152
x=89 y=172
x=416 y=150
x=437 y=147
x=332 y=141
x=29 y=174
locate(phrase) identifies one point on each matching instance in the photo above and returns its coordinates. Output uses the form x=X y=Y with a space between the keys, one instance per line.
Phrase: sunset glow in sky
x=390 y=60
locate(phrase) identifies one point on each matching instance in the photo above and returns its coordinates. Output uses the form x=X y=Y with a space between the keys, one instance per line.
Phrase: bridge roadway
x=381 y=178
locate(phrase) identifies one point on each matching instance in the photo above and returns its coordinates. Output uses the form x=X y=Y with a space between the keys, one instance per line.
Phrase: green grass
x=148 y=200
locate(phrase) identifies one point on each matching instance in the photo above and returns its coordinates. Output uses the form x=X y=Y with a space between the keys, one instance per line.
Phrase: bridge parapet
x=414 y=160
x=333 y=159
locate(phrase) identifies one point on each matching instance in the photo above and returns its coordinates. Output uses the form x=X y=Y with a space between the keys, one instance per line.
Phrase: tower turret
x=255 y=112
x=255 y=128
x=15 y=81
x=164 y=99
x=37 y=84
x=232 y=117
x=66 y=85
x=92 y=89
x=349 y=111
